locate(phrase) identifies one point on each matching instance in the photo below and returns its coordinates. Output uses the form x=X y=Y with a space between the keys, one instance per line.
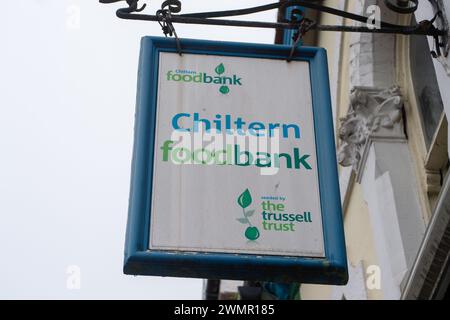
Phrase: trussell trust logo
x=195 y=77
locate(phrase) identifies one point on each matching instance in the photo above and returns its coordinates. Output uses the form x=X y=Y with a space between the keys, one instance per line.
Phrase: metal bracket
x=402 y=6
x=443 y=41
x=426 y=27
x=305 y=25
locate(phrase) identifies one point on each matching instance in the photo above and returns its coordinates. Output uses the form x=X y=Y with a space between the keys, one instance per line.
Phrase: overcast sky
x=67 y=99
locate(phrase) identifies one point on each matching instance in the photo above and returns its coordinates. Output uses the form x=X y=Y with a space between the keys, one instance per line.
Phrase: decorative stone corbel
x=373 y=114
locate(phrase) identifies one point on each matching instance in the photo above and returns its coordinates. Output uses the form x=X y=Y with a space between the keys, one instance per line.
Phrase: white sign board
x=235 y=164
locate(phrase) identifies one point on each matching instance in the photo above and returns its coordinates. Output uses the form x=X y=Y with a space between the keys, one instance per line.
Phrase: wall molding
x=374 y=114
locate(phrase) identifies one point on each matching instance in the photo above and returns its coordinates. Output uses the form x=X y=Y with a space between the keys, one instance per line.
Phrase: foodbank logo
x=219 y=78
x=244 y=201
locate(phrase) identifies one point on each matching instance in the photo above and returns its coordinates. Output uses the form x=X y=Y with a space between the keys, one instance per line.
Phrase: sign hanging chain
x=165 y=20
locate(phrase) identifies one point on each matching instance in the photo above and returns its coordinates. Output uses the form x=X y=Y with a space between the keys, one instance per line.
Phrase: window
x=426 y=88
x=431 y=115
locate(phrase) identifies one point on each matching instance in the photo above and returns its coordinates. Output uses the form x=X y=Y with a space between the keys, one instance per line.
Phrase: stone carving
x=372 y=112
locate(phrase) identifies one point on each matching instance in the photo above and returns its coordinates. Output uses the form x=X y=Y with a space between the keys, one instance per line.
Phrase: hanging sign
x=234 y=170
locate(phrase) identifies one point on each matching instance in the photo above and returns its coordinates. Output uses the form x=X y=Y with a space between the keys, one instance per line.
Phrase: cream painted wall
x=360 y=250
x=358 y=232
x=337 y=45
x=331 y=41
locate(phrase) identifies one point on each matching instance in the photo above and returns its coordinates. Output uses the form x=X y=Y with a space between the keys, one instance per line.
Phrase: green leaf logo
x=224 y=89
x=245 y=199
x=220 y=69
x=252 y=233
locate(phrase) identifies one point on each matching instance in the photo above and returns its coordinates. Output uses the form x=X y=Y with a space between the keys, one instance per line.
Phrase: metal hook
x=132 y=5
x=305 y=25
x=165 y=20
x=174 y=6
x=427 y=25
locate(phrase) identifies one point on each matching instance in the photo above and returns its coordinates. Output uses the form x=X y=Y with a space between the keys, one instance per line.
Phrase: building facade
x=390 y=100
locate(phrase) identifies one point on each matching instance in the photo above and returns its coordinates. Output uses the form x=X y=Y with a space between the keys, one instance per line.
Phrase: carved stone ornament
x=373 y=113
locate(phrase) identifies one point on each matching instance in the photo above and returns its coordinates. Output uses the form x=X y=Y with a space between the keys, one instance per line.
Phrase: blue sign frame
x=139 y=260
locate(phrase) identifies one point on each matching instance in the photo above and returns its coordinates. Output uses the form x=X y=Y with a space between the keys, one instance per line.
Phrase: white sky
x=67 y=99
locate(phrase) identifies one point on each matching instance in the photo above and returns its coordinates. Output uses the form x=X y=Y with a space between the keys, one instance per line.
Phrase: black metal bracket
x=441 y=42
x=305 y=25
x=402 y=6
x=166 y=16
